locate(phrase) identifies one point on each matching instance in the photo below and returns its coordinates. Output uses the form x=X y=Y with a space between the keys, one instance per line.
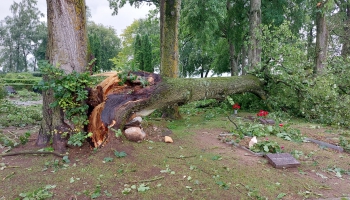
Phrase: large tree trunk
x=169 y=58
x=344 y=7
x=67 y=48
x=321 y=39
x=254 y=54
x=169 y=16
x=117 y=103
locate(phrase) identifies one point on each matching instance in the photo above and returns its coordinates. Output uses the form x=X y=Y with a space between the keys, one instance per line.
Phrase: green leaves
x=41 y=193
x=70 y=91
x=267 y=146
x=108 y=159
x=142 y=188
x=121 y=154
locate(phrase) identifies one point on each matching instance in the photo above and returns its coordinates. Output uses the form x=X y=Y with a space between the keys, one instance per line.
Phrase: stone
x=135 y=134
x=166 y=132
x=168 y=139
x=282 y=160
x=136 y=122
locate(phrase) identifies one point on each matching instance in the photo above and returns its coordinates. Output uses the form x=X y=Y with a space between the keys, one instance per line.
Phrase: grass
x=195 y=166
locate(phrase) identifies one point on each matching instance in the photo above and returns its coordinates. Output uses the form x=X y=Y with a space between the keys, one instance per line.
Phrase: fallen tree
x=114 y=102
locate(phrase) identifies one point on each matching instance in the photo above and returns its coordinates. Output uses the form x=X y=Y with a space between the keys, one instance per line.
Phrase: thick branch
x=181 y=91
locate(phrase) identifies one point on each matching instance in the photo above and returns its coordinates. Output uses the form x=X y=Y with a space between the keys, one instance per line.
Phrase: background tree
x=147 y=55
x=40 y=44
x=19 y=35
x=148 y=26
x=138 y=53
x=104 y=44
x=254 y=52
x=321 y=37
x=169 y=22
x=340 y=22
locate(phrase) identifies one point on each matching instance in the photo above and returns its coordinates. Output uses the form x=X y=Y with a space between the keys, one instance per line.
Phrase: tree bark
x=254 y=54
x=345 y=8
x=169 y=16
x=169 y=58
x=321 y=39
x=115 y=108
x=67 y=48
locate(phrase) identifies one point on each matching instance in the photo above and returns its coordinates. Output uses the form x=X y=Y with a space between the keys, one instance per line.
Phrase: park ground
x=197 y=165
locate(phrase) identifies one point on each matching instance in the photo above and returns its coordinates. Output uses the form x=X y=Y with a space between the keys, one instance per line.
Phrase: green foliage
x=65 y=159
x=39 y=194
x=327 y=99
x=143 y=53
x=121 y=154
x=97 y=192
x=249 y=102
x=143 y=188
x=3 y=92
x=20 y=81
x=107 y=159
x=345 y=143
x=141 y=27
x=78 y=139
x=70 y=91
x=266 y=146
x=7 y=141
x=147 y=54
x=25 y=95
x=20 y=36
x=14 y=115
x=24 y=138
x=291 y=83
x=259 y=130
x=104 y=44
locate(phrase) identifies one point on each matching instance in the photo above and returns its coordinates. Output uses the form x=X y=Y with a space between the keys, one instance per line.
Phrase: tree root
x=31 y=153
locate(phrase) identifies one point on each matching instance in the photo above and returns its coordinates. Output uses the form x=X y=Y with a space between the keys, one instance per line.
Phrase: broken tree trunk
x=113 y=104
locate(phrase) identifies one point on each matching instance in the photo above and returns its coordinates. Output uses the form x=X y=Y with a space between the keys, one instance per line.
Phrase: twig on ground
x=181 y=157
x=201 y=189
x=238 y=189
x=8 y=176
x=245 y=188
x=31 y=153
x=12 y=133
x=148 y=180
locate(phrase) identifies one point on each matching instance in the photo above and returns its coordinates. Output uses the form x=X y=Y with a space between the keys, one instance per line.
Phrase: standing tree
x=147 y=54
x=67 y=49
x=104 y=44
x=169 y=26
x=321 y=37
x=169 y=22
x=138 y=53
x=17 y=33
x=343 y=31
x=254 y=54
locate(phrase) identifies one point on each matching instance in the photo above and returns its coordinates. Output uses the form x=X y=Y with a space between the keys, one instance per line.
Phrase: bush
x=3 y=92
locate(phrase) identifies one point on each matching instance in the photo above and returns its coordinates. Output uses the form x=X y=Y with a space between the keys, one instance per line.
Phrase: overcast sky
x=100 y=11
